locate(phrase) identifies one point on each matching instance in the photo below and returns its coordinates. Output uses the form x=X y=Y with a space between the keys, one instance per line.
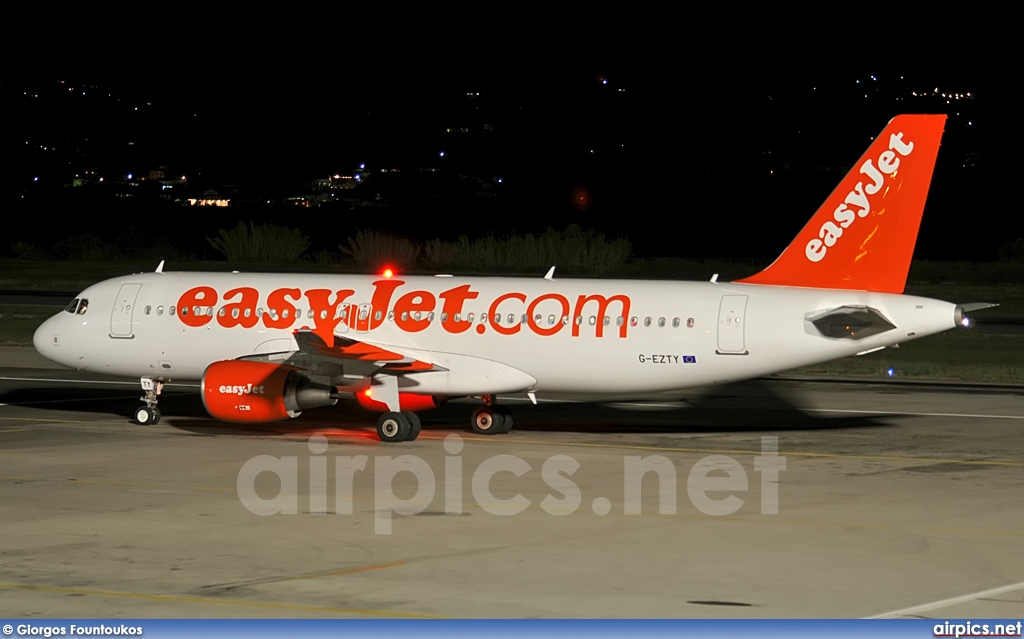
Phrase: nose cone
x=46 y=339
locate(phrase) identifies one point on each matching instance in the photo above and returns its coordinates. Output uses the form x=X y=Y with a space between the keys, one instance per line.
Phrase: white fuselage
x=571 y=335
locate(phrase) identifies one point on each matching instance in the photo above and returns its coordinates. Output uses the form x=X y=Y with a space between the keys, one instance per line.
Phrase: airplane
x=265 y=347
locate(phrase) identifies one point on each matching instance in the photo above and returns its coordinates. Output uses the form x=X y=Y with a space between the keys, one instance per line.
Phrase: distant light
x=442 y=153
x=604 y=81
x=874 y=78
x=35 y=179
x=891 y=372
x=362 y=166
x=129 y=176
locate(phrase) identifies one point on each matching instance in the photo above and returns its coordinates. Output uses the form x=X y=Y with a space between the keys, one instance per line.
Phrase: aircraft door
x=124 y=308
x=731 y=320
x=363 y=318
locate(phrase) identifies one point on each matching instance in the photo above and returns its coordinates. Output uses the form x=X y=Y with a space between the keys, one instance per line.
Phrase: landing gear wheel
x=393 y=427
x=414 y=425
x=487 y=420
x=506 y=418
x=146 y=416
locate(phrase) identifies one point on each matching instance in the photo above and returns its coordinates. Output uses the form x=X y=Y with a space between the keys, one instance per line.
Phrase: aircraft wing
x=355 y=352
x=351 y=365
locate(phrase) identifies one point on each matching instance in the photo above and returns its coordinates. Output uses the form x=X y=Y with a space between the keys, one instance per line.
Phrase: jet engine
x=255 y=392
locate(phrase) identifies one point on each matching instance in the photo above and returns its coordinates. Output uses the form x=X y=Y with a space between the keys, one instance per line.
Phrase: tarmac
x=775 y=498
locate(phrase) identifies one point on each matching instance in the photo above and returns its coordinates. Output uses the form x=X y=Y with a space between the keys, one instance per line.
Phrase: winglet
x=863 y=236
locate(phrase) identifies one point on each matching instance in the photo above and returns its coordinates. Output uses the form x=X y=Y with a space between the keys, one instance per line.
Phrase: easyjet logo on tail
x=858 y=203
x=412 y=311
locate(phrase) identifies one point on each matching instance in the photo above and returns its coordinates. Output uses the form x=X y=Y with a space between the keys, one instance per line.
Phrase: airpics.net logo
x=713 y=484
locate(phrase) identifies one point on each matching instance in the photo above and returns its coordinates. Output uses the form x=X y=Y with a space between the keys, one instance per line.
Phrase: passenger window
x=675 y=322
x=661 y=322
x=377 y=316
x=417 y=315
x=469 y=318
x=593 y=320
x=184 y=311
x=632 y=321
x=579 y=320
x=647 y=321
x=444 y=317
x=620 y=320
x=147 y=310
x=430 y=316
x=551 y=320
x=511 y=318
x=607 y=320
x=689 y=322
x=221 y=312
x=170 y=311
x=234 y=313
x=159 y=310
x=405 y=316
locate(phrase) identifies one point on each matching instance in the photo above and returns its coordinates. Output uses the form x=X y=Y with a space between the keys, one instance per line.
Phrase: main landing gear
x=491 y=419
x=398 y=426
x=148 y=414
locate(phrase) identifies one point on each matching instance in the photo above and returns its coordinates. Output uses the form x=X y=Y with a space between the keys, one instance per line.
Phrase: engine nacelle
x=255 y=392
x=407 y=401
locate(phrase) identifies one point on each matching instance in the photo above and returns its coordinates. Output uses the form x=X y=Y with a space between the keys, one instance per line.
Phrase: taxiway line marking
x=91 y=381
x=952 y=601
x=727 y=451
x=216 y=601
x=883 y=413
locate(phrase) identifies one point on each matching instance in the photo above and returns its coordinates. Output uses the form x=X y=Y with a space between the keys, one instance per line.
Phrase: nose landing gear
x=147 y=414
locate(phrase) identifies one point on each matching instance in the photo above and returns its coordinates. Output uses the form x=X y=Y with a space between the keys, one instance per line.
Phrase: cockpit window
x=78 y=306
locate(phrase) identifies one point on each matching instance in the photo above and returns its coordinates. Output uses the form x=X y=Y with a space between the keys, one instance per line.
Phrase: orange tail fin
x=863 y=236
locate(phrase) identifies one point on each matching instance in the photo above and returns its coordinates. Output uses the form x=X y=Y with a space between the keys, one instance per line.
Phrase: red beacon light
x=387 y=272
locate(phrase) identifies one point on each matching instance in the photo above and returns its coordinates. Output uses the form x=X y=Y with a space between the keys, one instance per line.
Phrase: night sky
x=742 y=152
